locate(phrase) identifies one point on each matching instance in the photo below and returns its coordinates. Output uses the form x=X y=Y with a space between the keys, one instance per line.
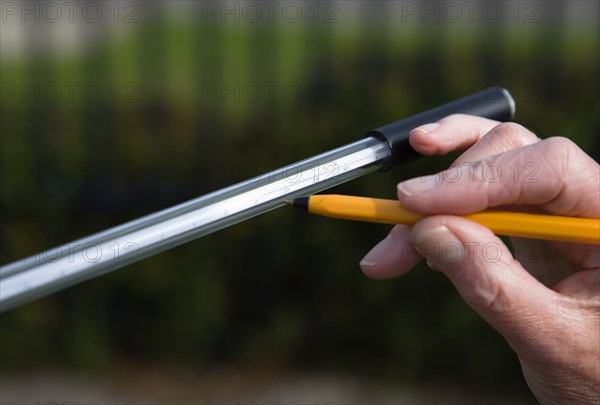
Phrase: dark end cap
x=495 y=103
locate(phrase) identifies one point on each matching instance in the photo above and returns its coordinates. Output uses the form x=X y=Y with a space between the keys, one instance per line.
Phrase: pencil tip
x=299 y=202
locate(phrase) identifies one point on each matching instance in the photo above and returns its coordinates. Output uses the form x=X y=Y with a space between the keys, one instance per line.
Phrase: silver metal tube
x=72 y=263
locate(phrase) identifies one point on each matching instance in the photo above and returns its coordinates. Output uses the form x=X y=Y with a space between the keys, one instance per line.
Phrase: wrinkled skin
x=546 y=300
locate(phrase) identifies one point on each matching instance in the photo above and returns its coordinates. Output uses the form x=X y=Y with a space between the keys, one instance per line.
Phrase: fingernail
x=417 y=186
x=372 y=258
x=439 y=247
x=425 y=234
x=427 y=127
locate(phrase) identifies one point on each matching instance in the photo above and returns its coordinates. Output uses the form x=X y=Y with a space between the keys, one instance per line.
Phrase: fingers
x=483 y=271
x=554 y=174
x=584 y=284
x=547 y=261
x=455 y=132
x=482 y=137
x=392 y=257
x=502 y=138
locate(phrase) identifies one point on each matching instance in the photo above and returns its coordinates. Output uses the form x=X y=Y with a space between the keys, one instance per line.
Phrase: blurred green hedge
x=284 y=289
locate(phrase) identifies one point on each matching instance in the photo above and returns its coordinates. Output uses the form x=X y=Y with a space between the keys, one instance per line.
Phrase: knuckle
x=513 y=134
x=509 y=129
x=560 y=143
x=561 y=154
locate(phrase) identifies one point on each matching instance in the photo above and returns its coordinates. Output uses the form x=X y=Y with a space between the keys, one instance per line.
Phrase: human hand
x=546 y=303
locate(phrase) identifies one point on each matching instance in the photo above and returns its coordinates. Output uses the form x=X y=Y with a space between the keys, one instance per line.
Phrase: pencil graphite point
x=289 y=201
x=299 y=202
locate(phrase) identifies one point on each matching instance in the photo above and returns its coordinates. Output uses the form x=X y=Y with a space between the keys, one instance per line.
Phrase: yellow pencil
x=551 y=227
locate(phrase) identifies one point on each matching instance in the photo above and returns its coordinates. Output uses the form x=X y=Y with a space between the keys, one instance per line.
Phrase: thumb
x=484 y=272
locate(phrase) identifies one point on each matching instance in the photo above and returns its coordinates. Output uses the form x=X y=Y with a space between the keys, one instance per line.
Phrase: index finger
x=554 y=174
x=455 y=132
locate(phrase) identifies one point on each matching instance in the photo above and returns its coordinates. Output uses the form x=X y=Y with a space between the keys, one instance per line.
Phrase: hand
x=546 y=303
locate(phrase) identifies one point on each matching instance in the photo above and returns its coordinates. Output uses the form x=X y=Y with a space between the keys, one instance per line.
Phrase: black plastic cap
x=494 y=103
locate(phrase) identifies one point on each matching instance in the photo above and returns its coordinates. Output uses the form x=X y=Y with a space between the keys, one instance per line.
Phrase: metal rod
x=72 y=263
x=65 y=265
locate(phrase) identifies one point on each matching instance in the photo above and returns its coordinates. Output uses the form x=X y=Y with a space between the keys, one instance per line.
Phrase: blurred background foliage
x=159 y=102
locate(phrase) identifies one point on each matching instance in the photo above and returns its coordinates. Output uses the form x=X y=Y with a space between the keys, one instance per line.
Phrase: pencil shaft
x=550 y=227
